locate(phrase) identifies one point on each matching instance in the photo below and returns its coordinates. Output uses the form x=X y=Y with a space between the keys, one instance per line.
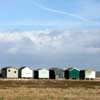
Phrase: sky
x=47 y=33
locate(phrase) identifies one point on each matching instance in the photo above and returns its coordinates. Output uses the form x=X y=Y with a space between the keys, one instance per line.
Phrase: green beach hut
x=72 y=73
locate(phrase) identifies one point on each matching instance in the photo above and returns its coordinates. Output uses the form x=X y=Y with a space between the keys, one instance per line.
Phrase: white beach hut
x=25 y=72
x=90 y=74
x=9 y=72
x=43 y=74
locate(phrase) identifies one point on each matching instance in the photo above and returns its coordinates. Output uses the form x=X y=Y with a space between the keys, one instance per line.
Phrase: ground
x=49 y=90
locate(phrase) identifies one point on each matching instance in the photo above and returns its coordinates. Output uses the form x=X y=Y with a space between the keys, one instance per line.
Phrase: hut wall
x=74 y=74
x=51 y=74
x=26 y=73
x=66 y=74
x=90 y=74
x=4 y=73
x=12 y=73
x=98 y=74
x=43 y=73
x=36 y=74
x=59 y=73
x=82 y=74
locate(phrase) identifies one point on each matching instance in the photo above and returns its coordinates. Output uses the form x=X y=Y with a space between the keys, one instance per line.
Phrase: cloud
x=44 y=47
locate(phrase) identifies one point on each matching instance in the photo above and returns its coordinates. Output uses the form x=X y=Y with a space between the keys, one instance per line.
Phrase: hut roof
x=25 y=67
x=70 y=69
x=41 y=69
x=56 y=69
x=9 y=67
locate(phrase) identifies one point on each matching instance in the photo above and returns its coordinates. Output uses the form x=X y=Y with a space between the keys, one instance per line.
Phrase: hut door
x=57 y=76
x=51 y=74
x=36 y=75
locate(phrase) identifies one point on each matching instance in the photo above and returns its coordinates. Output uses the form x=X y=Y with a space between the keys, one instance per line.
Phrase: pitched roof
x=70 y=69
x=9 y=67
x=55 y=68
x=24 y=67
x=40 y=69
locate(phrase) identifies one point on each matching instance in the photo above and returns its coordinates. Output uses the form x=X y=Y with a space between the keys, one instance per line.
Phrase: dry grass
x=49 y=90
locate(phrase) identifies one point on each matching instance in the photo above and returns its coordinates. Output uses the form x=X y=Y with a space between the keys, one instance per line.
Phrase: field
x=49 y=90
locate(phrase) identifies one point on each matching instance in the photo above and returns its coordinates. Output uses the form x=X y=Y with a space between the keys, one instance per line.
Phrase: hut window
x=14 y=71
x=8 y=70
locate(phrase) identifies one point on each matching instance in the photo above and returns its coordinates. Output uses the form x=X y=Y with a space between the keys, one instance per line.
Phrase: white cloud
x=41 y=40
x=65 y=47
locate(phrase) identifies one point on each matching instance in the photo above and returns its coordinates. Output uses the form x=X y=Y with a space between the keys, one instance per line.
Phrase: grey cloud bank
x=51 y=47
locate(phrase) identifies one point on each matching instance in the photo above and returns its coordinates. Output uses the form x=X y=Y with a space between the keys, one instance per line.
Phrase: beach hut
x=9 y=72
x=90 y=74
x=57 y=73
x=72 y=73
x=0 y=72
x=66 y=73
x=42 y=73
x=51 y=74
x=82 y=74
x=25 y=72
x=97 y=74
x=36 y=74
